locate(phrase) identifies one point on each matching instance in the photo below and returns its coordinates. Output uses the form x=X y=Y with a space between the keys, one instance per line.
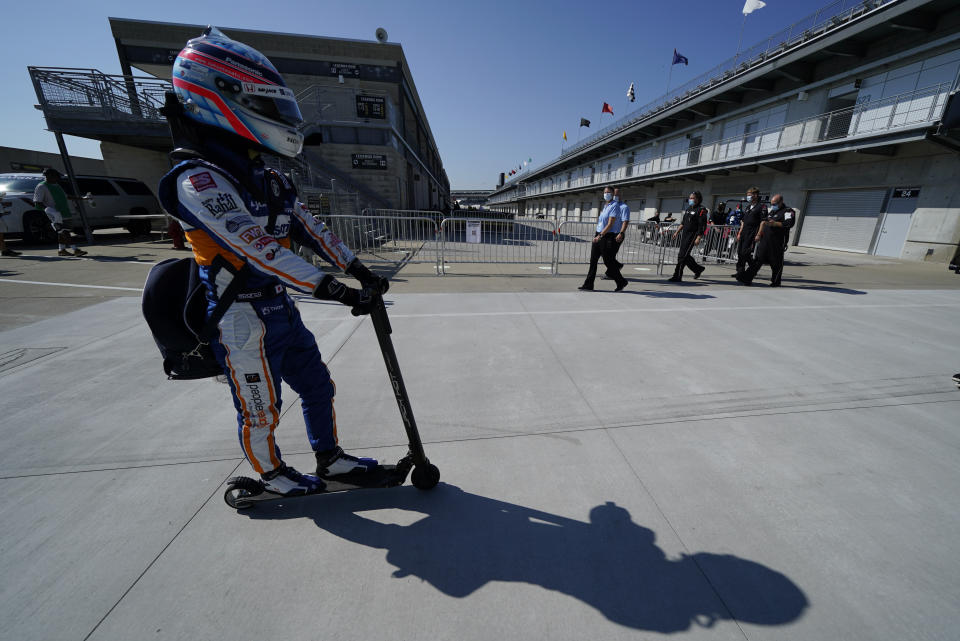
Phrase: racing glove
x=360 y=271
x=359 y=300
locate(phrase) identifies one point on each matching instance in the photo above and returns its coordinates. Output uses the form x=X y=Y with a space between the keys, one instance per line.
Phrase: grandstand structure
x=850 y=113
x=367 y=138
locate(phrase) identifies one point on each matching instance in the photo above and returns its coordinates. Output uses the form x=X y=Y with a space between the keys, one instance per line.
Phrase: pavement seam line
x=683 y=543
x=157 y=557
x=570 y=430
x=546 y=342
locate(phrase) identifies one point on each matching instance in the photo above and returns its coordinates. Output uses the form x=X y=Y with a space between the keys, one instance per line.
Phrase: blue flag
x=677 y=59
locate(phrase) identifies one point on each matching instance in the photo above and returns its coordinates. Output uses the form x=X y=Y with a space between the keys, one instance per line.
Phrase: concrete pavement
x=702 y=460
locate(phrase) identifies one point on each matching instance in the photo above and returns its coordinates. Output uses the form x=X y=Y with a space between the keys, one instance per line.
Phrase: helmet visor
x=272 y=101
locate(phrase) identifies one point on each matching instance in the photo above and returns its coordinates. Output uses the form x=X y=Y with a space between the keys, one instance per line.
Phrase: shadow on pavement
x=669 y=294
x=610 y=563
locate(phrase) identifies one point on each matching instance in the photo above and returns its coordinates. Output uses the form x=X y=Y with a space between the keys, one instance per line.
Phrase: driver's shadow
x=609 y=562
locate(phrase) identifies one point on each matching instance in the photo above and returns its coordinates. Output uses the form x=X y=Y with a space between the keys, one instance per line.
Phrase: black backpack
x=175 y=307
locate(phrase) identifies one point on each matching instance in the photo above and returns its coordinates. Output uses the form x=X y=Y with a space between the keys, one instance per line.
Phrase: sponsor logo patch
x=270 y=255
x=234 y=224
x=221 y=205
x=252 y=378
x=203 y=181
x=263 y=242
x=250 y=235
x=267 y=310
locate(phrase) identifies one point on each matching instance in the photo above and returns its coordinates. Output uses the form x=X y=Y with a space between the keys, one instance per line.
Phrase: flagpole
x=669 y=77
x=740 y=39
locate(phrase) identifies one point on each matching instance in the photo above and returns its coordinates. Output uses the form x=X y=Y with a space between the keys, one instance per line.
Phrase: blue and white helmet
x=224 y=83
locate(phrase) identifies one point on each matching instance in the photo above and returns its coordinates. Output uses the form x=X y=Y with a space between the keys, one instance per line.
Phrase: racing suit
x=224 y=202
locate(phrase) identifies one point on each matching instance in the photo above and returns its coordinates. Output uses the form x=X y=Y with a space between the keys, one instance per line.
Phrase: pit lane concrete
x=701 y=460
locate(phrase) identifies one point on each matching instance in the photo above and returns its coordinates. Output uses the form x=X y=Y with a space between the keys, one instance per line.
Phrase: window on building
x=694 y=156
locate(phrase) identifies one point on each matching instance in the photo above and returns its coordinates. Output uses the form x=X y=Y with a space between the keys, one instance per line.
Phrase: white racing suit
x=261 y=337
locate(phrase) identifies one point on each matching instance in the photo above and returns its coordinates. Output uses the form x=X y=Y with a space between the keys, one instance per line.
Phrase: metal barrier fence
x=398 y=240
x=519 y=241
x=393 y=240
x=643 y=244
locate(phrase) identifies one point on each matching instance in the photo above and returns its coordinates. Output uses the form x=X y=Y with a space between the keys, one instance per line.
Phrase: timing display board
x=371 y=107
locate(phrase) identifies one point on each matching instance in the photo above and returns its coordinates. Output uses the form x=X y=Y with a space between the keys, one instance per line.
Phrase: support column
x=65 y=157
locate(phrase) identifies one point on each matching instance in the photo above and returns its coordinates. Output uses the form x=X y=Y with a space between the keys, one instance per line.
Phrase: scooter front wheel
x=425 y=477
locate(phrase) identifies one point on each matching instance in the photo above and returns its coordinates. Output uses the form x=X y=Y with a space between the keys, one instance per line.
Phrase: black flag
x=584 y=122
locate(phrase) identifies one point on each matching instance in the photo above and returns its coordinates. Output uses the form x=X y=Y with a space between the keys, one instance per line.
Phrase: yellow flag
x=564 y=135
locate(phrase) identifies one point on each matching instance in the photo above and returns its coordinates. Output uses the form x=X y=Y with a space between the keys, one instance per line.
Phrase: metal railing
x=517 y=241
x=909 y=109
x=824 y=20
x=428 y=238
x=393 y=240
x=92 y=94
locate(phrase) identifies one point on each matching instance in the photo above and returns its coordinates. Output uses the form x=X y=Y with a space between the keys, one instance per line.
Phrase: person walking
x=692 y=226
x=621 y=228
x=754 y=213
x=50 y=197
x=770 y=242
x=605 y=244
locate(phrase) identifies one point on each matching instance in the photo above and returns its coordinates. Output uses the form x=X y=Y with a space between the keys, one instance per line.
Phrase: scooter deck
x=243 y=492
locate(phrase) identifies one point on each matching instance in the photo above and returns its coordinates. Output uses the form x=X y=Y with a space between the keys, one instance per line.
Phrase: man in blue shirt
x=605 y=243
x=620 y=228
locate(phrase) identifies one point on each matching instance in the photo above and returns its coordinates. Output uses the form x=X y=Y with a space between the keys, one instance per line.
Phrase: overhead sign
x=344 y=69
x=905 y=192
x=371 y=107
x=369 y=161
x=22 y=166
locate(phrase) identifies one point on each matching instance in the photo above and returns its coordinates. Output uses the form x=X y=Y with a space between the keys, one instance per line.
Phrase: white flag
x=752 y=5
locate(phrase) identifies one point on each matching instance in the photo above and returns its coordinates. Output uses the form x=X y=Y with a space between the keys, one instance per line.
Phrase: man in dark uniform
x=692 y=226
x=770 y=242
x=753 y=214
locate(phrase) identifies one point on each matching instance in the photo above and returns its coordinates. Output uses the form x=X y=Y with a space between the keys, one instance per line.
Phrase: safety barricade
x=643 y=243
x=394 y=240
x=507 y=240
x=719 y=244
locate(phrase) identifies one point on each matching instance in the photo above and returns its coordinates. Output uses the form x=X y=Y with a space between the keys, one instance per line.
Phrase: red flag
x=606 y=109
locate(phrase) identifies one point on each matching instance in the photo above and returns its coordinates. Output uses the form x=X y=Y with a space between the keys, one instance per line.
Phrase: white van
x=109 y=197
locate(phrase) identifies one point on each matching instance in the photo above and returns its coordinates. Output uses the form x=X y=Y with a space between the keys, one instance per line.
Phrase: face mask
x=607 y=196
x=691 y=202
x=749 y=199
x=774 y=207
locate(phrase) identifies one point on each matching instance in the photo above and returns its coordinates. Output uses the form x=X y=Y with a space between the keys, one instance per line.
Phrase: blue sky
x=500 y=81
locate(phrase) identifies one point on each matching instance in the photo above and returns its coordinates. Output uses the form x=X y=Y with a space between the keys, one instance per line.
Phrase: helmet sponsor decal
x=203 y=181
x=271 y=91
x=252 y=378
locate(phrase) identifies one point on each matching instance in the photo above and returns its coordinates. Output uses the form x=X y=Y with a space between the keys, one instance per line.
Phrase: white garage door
x=844 y=220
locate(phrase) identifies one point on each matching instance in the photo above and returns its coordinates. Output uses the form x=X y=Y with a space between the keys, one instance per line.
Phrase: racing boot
x=336 y=462
x=286 y=481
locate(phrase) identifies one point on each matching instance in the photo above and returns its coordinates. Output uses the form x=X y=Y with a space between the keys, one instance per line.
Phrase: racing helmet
x=226 y=84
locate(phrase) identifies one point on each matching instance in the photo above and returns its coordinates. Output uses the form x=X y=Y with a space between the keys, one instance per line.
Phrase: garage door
x=844 y=220
x=673 y=206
